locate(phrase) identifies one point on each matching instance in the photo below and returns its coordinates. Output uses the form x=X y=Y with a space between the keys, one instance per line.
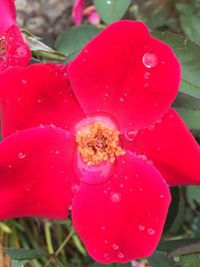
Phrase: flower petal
x=36 y=174
x=13 y=50
x=7 y=15
x=17 y=52
x=41 y=95
x=77 y=11
x=123 y=218
x=126 y=72
x=171 y=147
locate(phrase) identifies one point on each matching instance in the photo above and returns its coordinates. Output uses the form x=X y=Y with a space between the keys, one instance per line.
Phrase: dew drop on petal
x=120 y=255
x=147 y=75
x=115 y=197
x=115 y=246
x=141 y=227
x=162 y=196
x=24 y=82
x=130 y=134
x=150 y=60
x=151 y=231
x=21 y=155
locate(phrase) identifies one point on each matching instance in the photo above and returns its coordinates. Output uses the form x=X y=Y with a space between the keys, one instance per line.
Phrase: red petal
x=7 y=15
x=172 y=148
x=36 y=174
x=41 y=95
x=123 y=218
x=126 y=72
x=17 y=53
x=13 y=50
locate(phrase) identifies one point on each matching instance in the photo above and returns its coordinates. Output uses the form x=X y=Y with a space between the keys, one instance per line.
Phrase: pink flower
x=98 y=137
x=13 y=50
x=90 y=12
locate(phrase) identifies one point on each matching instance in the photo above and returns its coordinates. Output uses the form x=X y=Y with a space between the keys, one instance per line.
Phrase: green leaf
x=111 y=10
x=190 y=117
x=16 y=263
x=190 y=23
x=25 y=254
x=177 y=253
x=193 y=196
x=71 y=42
x=189 y=56
x=176 y=211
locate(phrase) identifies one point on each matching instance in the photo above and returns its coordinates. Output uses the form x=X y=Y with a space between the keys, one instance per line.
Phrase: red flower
x=13 y=50
x=119 y=87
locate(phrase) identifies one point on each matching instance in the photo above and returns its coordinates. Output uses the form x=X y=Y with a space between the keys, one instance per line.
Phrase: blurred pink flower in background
x=79 y=12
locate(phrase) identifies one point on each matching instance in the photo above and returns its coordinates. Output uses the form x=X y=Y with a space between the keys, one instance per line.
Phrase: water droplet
x=19 y=99
x=120 y=255
x=151 y=231
x=150 y=60
x=106 y=241
x=147 y=75
x=142 y=156
x=121 y=99
x=162 y=196
x=21 y=155
x=115 y=246
x=103 y=228
x=130 y=134
x=176 y=259
x=41 y=125
x=106 y=255
x=39 y=101
x=141 y=227
x=115 y=197
x=109 y=2
x=10 y=166
x=141 y=189
x=24 y=82
x=57 y=152
x=146 y=85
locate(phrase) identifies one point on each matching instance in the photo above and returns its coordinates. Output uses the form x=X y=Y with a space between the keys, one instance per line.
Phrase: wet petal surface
x=123 y=218
x=125 y=72
x=171 y=147
x=41 y=95
x=36 y=174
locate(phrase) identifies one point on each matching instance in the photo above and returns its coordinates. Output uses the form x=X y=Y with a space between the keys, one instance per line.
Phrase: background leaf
x=25 y=254
x=190 y=22
x=111 y=10
x=189 y=56
x=70 y=42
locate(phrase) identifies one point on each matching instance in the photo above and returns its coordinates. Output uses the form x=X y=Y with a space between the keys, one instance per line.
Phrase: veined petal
x=122 y=219
x=36 y=173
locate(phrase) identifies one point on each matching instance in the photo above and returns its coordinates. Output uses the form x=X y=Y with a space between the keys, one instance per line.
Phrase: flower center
x=97 y=142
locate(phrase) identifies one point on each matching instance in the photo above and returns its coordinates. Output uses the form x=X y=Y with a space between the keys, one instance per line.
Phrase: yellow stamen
x=97 y=143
